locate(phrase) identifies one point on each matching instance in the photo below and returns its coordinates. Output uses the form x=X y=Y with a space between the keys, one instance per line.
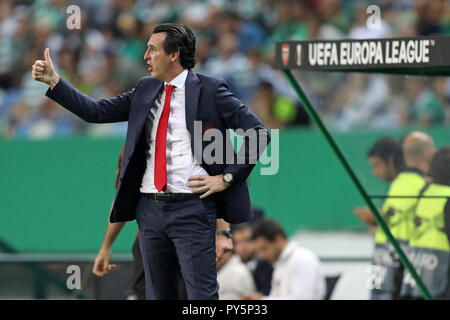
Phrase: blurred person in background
x=15 y=37
x=277 y=111
x=334 y=17
x=292 y=17
x=249 y=34
x=386 y=160
x=244 y=247
x=429 y=244
x=398 y=214
x=363 y=102
x=297 y=272
x=430 y=17
x=230 y=64
x=235 y=280
x=426 y=99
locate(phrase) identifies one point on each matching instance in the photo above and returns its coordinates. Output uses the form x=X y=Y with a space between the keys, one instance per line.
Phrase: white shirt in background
x=297 y=275
x=235 y=280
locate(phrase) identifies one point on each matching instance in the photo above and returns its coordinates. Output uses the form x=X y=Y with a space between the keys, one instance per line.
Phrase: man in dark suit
x=168 y=182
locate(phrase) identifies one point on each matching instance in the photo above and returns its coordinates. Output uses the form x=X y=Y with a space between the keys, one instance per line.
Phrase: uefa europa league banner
x=418 y=55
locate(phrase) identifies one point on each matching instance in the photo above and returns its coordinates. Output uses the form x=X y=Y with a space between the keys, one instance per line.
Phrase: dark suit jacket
x=208 y=100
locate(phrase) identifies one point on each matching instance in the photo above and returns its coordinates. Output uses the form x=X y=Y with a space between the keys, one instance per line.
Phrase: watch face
x=228 y=177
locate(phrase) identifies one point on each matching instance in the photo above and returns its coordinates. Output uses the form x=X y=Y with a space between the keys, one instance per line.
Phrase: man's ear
x=391 y=162
x=174 y=56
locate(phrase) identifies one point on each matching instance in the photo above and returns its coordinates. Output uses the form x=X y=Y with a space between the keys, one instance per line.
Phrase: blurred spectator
x=235 y=280
x=333 y=17
x=386 y=160
x=297 y=273
x=232 y=65
x=248 y=34
x=292 y=16
x=276 y=111
x=363 y=102
x=426 y=100
x=429 y=17
x=244 y=247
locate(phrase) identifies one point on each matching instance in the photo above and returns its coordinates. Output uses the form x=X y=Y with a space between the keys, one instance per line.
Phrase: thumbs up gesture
x=43 y=70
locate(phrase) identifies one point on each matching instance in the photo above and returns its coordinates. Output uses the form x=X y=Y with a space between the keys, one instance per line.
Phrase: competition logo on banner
x=387 y=55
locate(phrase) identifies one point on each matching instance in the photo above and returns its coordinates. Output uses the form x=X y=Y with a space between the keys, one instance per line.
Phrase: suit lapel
x=192 y=93
x=148 y=100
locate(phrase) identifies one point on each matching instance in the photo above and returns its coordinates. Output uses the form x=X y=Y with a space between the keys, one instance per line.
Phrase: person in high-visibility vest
x=429 y=244
x=418 y=151
x=386 y=160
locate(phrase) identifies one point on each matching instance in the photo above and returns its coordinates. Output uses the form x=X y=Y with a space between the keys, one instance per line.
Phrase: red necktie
x=160 y=146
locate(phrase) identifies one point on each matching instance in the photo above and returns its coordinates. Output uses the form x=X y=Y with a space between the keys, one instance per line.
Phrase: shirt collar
x=180 y=80
x=286 y=253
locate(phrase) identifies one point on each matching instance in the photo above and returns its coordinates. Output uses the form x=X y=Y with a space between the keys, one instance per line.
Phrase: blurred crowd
x=235 y=41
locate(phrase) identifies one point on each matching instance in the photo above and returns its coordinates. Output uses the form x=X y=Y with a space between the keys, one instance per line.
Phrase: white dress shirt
x=180 y=162
x=235 y=280
x=297 y=275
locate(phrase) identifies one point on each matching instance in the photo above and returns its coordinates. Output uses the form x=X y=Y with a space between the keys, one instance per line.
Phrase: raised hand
x=44 y=71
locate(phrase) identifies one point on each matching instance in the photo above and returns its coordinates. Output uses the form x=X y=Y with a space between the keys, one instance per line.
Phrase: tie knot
x=169 y=87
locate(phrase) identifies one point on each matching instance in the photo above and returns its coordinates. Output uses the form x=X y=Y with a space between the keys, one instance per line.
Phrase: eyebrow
x=150 y=45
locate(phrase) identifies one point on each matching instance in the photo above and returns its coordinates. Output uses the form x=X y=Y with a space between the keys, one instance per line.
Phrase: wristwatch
x=226 y=233
x=228 y=177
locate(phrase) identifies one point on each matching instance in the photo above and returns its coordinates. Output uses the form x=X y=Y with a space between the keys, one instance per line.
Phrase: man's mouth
x=150 y=68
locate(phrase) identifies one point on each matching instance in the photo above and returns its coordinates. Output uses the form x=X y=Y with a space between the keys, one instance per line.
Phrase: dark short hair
x=440 y=166
x=268 y=229
x=179 y=38
x=240 y=226
x=388 y=148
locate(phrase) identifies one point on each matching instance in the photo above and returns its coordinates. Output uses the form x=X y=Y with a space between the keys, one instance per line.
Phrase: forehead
x=261 y=242
x=156 y=39
x=243 y=233
x=376 y=160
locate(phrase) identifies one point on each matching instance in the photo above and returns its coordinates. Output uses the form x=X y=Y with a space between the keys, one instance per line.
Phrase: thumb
x=97 y=268
x=48 y=60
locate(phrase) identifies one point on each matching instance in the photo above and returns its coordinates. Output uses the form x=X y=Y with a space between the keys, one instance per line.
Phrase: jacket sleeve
x=244 y=122
x=115 y=109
